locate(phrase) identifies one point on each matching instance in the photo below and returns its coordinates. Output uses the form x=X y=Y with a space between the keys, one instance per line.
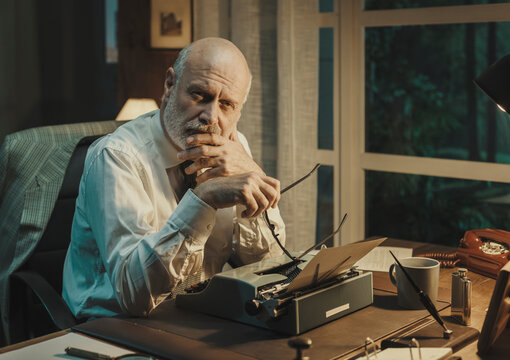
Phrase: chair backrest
x=37 y=242
x=49 y=255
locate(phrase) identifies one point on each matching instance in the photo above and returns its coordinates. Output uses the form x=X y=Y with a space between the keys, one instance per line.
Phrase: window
x=420 y=99
x=424 y=154
x=401 y=4
x=328 y=202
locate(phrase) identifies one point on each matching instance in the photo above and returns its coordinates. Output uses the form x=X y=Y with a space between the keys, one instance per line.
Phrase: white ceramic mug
x=424 y=272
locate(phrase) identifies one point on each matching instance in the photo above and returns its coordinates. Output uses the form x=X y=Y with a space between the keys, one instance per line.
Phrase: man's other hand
x=218 y=156
x=255 y=191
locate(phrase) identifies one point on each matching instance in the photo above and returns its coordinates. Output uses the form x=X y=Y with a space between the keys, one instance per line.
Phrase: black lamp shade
x=495 y=82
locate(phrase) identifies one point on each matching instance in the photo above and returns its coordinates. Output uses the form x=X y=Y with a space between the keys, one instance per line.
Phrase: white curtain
x=280 y=42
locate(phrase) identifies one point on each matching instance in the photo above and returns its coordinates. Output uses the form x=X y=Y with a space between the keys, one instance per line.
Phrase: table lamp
x=495 y=82
x=135 y=107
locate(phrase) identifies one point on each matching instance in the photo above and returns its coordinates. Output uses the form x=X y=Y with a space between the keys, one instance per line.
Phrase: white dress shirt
x=132 y=241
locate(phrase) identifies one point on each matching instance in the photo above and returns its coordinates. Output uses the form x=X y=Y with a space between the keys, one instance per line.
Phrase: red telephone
x=484 y=251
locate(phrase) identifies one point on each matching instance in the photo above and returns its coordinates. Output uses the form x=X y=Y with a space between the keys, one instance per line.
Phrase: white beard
x=173 y=119
x=178 y=128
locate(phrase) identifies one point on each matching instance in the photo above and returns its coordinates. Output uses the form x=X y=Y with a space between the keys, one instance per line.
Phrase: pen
x=85 y=354
x=425 y=299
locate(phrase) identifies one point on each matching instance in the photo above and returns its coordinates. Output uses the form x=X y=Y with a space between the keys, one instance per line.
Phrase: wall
x=141 y=69
x=52 y=60
x=52 y=64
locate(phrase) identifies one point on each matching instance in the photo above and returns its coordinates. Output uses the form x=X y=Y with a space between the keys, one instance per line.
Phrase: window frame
x=353 y=160
x=331 y=157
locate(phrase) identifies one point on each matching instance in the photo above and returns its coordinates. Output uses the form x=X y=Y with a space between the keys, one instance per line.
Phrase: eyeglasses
x=275 y=235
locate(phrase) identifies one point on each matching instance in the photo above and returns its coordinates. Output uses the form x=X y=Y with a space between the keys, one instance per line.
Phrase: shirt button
x=209 y=226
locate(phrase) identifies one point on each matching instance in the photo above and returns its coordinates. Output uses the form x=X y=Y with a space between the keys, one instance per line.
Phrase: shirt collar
x=163 y=146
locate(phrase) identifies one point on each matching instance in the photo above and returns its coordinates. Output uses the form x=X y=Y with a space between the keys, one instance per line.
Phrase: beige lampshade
x=135 y=107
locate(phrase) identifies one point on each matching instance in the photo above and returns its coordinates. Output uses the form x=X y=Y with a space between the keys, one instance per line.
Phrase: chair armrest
x=56 y=307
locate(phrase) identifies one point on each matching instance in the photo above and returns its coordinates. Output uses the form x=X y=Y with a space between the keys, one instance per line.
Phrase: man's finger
x=206 y=139
x=262 y=202
x=275 y=183
x=201 y=163
x=209 y=174
x=251 y=206
x=234 y=137
x=271 y=194
x=198 y=152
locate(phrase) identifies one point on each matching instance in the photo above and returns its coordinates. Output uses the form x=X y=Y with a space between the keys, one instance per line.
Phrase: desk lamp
x=495 y=82
x=135 y=107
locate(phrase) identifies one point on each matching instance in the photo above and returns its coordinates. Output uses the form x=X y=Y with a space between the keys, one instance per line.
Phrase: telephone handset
x=484 y=251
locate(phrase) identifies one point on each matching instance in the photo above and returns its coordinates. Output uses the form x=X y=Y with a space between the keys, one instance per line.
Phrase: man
x=138 y=231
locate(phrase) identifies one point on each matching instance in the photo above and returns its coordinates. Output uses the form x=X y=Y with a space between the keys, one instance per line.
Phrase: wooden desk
x=482 y=291
x=37 y=340
x=481 y=294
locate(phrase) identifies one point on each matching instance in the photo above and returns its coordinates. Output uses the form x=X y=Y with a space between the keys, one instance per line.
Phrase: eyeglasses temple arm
x=271 y=226
x=325 y=239
x=275 y=236
x=299 y=180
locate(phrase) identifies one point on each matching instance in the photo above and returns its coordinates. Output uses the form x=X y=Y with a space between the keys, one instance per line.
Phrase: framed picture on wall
x=170 y=23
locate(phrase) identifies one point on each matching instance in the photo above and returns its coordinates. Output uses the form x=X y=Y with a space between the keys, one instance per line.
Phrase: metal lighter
x=461 y=297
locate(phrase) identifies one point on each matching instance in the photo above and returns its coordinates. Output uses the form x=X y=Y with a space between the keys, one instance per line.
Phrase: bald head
x=204 y=91
x=208 y=52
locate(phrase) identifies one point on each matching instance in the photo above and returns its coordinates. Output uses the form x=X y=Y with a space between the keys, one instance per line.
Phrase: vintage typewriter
x=288 y=296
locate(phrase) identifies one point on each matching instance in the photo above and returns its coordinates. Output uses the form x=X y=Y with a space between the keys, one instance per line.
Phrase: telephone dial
x=484 y=251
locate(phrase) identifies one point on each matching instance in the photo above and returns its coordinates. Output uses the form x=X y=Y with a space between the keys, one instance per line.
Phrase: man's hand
x=257 y=192
x=218 y=155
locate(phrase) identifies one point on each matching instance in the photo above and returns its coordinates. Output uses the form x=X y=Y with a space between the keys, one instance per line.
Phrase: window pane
x=326 y=69
x=110 y=26
x=325 y=209
x=326 y=6
x=433 y=209
x=420 y=97
x=401 y=4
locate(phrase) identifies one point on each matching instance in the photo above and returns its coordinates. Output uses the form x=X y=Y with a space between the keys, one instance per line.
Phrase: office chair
x=36 y=305
x=42 y=272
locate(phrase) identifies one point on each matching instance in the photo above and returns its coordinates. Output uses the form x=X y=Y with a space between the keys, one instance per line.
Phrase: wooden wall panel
x=141 y=69
x=52 y=64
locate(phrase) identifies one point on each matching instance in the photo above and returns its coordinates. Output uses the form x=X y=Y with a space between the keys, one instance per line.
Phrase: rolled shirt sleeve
x=143 y=264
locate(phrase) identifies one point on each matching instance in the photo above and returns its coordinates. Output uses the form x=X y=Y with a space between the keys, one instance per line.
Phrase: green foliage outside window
x=421 y=101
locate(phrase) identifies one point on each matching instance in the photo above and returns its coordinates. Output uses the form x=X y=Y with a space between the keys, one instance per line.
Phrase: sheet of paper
x=54 y=348
x=380 y=259
x=331 y=262
x=403 y=353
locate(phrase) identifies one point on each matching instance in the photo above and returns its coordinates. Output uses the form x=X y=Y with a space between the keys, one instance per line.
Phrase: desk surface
x=481 y=294
x=482 y=291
